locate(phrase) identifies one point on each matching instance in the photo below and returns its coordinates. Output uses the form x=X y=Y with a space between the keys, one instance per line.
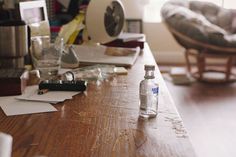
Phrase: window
x=152 y=10
x=230 y=4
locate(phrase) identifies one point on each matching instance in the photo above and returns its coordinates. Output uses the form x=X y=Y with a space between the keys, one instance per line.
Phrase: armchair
x=206 y=31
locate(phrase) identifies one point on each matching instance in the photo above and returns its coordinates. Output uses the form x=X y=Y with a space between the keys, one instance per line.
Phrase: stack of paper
x=30 y=102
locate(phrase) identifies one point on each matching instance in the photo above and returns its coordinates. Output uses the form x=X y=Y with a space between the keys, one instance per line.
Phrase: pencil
x=42 y=91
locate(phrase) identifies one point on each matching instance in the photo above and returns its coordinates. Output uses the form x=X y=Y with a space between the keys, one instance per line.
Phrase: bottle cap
x=149 y=67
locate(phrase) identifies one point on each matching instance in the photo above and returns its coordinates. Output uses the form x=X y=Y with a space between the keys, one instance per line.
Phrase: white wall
x=134 y=8
x=164 y=47
x=162 y=44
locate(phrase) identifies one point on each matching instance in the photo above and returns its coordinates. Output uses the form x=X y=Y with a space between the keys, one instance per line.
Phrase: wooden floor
x=209 y=115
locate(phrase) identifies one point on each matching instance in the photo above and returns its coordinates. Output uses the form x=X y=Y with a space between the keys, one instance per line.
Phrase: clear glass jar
x=148 y=93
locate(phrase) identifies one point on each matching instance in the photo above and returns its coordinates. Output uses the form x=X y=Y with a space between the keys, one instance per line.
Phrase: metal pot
x=13 y=39
x=12 y=62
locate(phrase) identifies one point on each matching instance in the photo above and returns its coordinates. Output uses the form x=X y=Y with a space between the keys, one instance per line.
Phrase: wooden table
x=103 y=122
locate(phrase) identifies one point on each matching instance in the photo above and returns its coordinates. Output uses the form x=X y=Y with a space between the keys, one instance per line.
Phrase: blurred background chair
x=206 y=31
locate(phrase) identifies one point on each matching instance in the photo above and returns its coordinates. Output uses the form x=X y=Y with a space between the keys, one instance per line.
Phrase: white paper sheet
x=31 y=94
x=12 y=106
x=30 y=102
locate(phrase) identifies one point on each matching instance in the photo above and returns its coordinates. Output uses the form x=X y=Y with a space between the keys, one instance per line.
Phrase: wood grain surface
x=103 y=122
x=208 y=112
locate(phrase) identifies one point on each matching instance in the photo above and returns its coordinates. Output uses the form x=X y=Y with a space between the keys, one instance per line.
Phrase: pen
x=42 y=91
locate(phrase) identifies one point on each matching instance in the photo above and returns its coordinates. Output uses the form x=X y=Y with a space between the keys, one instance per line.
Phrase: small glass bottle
x=148 y=93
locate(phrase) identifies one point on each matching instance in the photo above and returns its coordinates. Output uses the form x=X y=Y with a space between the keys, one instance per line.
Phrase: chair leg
x=201 y=65
x=229 y=68
x=187 y=61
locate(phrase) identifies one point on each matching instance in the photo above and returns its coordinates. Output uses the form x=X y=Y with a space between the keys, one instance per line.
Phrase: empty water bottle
x=148 y=93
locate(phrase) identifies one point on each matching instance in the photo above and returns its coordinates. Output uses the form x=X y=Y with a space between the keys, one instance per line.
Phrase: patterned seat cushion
x=202 y=21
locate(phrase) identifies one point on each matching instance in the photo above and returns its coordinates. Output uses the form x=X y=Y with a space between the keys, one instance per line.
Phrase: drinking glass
x=46 y=56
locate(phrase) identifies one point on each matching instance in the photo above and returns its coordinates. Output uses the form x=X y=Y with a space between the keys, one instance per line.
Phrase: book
x=126 y=37
x=128 y=40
